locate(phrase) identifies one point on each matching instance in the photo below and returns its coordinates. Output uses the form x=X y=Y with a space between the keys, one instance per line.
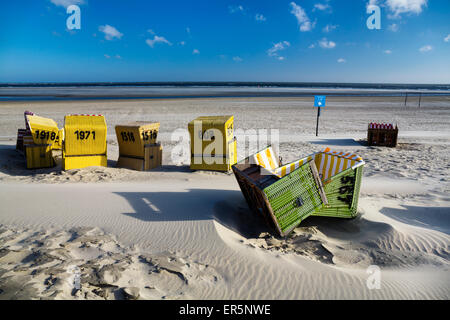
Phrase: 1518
x=127 y=136
x=147 y=135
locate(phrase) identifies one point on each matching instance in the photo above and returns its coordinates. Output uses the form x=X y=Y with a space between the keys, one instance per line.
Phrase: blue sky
x=264 y=40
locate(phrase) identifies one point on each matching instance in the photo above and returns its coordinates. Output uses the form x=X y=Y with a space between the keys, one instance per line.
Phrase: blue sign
x=320 y=101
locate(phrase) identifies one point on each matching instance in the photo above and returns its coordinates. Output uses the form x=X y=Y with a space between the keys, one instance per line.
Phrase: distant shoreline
x=48 y=92
x=262 y=84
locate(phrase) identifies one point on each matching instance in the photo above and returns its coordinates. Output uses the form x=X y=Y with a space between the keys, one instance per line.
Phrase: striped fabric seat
x=291 y=167
x=266 y=159
x=28 y=140
x=329 y=163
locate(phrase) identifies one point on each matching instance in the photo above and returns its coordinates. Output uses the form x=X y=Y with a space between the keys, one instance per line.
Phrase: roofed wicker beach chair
x=37 y=141
x=326 y=183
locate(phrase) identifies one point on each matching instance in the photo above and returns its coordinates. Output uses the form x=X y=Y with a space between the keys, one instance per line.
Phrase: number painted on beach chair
x=347 y=190
x=46 y=135
x=347 y=199
x=230 y=130
x=348 y=180
x=208 y=135
x=84 y=134
x=127 y=136
x=151 y=134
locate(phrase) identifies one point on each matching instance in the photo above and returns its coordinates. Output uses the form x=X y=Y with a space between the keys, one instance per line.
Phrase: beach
x=175 y=234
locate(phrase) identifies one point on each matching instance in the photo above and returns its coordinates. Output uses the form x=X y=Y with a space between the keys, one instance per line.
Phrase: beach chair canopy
x=329 y=163
x=43 y=130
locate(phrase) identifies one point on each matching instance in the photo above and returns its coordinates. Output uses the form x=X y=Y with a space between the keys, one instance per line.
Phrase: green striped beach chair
x=326 y=183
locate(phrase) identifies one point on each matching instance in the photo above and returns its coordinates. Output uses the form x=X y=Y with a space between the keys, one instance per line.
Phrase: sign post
x=319 y=102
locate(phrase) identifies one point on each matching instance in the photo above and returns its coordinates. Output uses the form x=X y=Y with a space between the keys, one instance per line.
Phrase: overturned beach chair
x=326 y=183
x=138 y=149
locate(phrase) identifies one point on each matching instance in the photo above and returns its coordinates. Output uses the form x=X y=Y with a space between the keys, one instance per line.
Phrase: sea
x=163 y=90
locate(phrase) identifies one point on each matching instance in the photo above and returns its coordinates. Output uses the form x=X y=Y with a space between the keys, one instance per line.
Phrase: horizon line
x=228 y=83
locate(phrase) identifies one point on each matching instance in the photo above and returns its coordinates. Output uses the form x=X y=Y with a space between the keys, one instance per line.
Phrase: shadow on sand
x=230 y=209
x=13 y=163
x=173 y=168
x=340 y=142
x=227 y=207
x=435 y=218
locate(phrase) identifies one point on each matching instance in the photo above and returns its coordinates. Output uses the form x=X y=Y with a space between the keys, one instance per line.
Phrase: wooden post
x=317 y=125
x=406 y=98
x=420 y=99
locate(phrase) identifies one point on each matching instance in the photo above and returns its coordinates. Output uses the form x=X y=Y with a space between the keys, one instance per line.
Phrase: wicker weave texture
x=294 y=198
x=342 y=192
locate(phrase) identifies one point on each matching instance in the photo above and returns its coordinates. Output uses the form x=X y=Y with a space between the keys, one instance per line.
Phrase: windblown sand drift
x=85 y=263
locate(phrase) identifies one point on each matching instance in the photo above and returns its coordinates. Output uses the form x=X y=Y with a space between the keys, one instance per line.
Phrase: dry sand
x=176 y=234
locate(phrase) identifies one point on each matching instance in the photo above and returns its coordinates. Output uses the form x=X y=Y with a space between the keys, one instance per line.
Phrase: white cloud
x=329 y=28
x=151 y=31
x=387 y=51
x=237 y=59
x=260 y=17
x=107 y=56
x=234 y=9
x=312 y=46
x=393 y=27
x=66 y=3
x=302 y=19
x=156 y=39
x=399 y=7
x=426 y=48
x=195 y=51
x=182 y=43
x=273 y=52
x=447 y=38
x=341 y=60
x=110 y=32
x=326 y=44
x=321 y=7
x=281 y=58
